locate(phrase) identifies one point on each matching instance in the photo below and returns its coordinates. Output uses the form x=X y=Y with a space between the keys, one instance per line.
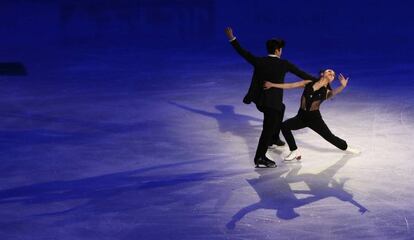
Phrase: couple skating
x=266 y=91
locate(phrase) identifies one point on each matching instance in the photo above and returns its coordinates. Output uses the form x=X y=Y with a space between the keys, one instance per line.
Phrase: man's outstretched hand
x=229 y=33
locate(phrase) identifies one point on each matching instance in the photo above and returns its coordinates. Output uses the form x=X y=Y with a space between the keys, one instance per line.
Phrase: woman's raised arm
x=336 y=91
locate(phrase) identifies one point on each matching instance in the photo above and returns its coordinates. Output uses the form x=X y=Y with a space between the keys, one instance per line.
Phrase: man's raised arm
x=245 y=54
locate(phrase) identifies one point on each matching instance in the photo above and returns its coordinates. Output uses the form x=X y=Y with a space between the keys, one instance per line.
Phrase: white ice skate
x=293 y=155
x=351 y=150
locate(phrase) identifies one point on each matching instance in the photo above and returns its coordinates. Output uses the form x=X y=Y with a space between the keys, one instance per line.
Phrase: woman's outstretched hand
x=343 y=80
x=267 y=85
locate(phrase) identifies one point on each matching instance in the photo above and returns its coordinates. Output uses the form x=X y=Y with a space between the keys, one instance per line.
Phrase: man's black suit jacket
x=272 y=69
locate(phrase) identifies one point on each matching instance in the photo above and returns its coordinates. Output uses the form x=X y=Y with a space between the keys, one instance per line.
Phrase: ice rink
x=92 y=153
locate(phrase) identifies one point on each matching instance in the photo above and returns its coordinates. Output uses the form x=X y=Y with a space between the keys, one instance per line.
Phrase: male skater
x=270 y=102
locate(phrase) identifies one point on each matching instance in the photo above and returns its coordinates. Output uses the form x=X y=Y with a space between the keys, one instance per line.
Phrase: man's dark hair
x=274 y=44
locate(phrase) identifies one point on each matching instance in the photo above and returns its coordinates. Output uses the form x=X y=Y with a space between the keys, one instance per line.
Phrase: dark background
x=376 y=29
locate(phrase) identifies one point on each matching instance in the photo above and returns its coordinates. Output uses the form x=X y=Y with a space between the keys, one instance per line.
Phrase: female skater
x=309 y=115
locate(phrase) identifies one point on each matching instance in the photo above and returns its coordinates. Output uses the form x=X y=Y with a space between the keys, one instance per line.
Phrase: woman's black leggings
x=314 y=121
